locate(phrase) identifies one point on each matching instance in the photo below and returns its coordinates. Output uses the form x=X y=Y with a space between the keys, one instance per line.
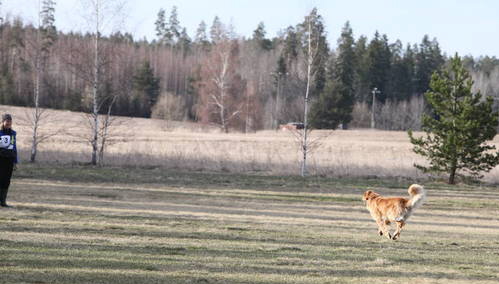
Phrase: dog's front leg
x=382 y=228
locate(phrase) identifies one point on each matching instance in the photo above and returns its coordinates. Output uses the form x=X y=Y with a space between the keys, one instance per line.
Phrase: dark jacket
x=8 y=144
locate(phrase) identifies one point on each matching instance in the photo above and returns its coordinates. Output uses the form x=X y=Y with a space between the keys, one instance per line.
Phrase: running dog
x=386 y=210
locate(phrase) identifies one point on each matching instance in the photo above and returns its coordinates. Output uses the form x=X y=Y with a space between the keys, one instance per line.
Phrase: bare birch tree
x=101 y=14
x=311 y=59
x=222 y=90
x=41 y=45
x=37 y=113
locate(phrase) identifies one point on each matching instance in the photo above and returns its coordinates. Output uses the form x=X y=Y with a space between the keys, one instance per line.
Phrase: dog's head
x=369 y=195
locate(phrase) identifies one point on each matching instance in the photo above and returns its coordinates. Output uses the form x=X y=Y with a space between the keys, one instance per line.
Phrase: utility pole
x=374 y=92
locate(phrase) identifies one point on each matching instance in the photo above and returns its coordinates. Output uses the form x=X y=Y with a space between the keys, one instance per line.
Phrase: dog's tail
x=418 y=195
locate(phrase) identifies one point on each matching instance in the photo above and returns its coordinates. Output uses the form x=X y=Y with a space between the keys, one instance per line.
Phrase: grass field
x=189 y=146
x=116 y=225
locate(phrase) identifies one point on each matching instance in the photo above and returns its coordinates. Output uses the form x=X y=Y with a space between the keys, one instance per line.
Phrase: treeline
x=218 y=77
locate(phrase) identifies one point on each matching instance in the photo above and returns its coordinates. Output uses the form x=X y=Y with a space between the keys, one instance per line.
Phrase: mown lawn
x=118 y=225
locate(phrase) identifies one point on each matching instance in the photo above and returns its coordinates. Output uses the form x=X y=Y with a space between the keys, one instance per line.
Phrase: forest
x=216 y=76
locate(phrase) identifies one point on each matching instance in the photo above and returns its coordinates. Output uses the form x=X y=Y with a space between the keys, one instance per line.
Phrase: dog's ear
x=367 y=194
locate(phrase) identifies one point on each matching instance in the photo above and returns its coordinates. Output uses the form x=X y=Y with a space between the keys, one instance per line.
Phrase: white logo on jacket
x=5 y=142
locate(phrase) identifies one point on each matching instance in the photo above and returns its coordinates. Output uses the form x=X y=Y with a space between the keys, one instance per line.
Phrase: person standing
x=8 y=156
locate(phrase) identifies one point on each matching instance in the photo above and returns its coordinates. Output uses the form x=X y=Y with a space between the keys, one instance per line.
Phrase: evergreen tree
x=259 y=32
x=291 y=45
x=16 y=42
x=336 y=102
x=48 y=29
x=201 y=37
x=173 y=27
x=160 y=25
x=259 y=37
x=409 y=68
x=184 y=42
x=281 y=65
x=216 y=30
x=7 y=86
x=401 y=72
x=487 y=64
x=146 y=90
x=378 y=66
x=460 y=124
x=362 y=92
x=428 y=59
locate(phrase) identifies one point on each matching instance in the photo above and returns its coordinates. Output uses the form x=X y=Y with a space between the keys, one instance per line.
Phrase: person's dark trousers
x=6 y=167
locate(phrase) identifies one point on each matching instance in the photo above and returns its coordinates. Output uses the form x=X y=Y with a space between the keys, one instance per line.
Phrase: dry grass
x=149 y=142
x=214 y=228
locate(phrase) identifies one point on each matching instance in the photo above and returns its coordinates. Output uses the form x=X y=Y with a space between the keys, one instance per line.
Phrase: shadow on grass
x=173 y=259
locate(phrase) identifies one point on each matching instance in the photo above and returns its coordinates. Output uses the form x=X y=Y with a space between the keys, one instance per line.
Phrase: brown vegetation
x=191 y=146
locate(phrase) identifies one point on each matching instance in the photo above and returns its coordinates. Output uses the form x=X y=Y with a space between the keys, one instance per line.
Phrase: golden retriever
x=386 y=210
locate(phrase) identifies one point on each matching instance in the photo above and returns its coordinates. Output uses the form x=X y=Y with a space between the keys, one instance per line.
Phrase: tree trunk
x=32 y=157
x=305 y=118
x=247 y=120
x=276 y=104
x=452 y=177
x=36 y=118
x=95 y=111
x=34 y=142
x=452 y=174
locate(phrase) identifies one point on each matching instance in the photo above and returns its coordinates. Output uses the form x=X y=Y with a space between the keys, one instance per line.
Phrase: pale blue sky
x=465 y=26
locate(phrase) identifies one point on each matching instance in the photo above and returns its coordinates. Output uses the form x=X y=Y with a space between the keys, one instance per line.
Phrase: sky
x=464 y=26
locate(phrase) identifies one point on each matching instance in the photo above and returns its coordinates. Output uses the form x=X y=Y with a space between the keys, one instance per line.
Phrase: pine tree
x=487 y=64
x=201 y=37
x=428 y=59
x=217 y=30
x=259 y=32
x=335 y=103
x=173 y=27
x=291 y=43
x=282 y=68
x=458 y=127
x=409 y=67
x=48 y=29
x=378 y=64
x=259 y=37
x=146 y=90
x=184 y=42
x=7 y=86
x=160 y=25
x=401 y=72
x=362 y=91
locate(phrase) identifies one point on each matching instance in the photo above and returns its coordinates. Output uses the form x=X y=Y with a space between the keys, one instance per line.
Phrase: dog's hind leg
x=400 y=224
